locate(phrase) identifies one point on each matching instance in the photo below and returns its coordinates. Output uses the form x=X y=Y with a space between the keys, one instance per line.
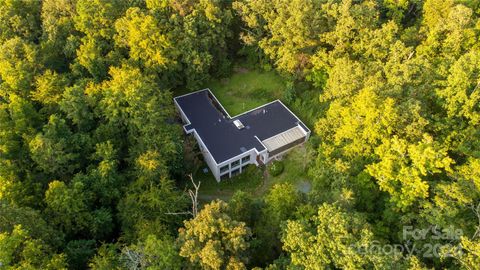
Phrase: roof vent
x=238 y=124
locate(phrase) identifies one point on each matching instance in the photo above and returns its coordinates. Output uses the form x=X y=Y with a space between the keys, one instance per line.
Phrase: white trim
x=218 y=101
x=266 y=104
x=303 y=130
x=294 y=115
x=237 y=156
x=266 y=149
x=191 y=93
x=187 y=131
x=208 y=151
x=189 y=123
x=235 y=116
x=183 y=114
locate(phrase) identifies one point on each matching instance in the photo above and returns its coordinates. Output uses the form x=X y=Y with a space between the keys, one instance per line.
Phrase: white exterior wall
x=184 y=117
x=253 y=155
x=203 y=148
x=208 y=157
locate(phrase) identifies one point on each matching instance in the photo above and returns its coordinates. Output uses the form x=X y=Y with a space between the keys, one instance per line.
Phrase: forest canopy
x=94 y=164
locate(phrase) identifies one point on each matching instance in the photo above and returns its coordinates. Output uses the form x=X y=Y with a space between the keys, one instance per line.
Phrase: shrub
x=276 y=168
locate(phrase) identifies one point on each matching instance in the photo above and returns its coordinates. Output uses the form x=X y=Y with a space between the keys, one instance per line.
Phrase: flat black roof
x=218 y=132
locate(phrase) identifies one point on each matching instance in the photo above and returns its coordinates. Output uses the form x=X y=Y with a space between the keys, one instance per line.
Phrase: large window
x=224 y=169
x=235 y=163
x=246 y=159
x=224 y=176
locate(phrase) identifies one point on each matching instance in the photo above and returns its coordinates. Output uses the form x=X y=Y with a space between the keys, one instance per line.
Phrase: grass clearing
x=250 y=181
x=253 y=180
x=295 y=168
x=247 y=89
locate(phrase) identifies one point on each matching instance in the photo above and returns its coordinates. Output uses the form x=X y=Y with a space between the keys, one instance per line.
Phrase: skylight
x=238 y=124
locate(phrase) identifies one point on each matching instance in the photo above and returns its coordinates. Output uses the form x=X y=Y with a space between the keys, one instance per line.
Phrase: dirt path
x=302 y=185
x=263 y=188
x=204 y=198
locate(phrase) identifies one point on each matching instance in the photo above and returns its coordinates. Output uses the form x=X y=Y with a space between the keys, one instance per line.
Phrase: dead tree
x=193 y=197
x=133 y=259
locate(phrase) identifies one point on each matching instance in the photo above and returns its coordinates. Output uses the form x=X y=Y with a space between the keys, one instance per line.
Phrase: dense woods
x=93 y=163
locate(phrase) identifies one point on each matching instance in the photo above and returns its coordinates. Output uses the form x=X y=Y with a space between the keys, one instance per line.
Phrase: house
x=228 y=143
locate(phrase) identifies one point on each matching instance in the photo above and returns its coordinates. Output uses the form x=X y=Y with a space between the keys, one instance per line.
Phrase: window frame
x=222 y=169
x=235 y=163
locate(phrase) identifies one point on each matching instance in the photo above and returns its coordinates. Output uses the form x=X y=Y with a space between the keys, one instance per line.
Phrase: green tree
x=105 y=180
x=58 y=33
x=67 y=207
x=18 y=123
x=18 y=66
x=96 y=20
x=178 y=37
x=212 y=240
x=146 y=206
x=460 y=94
x=449 y=30
x=52 y=150
x=242 y=207
x=106 y=258
x=455 y=203
x=49 y=88
x=149 y=40
x=401 y=176
x=280 y=204
x=79 y=252
x=21 y=251
x=19 y=18
x=339 y=239
x=75 y=105
x=287 y=31
x=30 y=220
x=152 y=253
x=133 y=100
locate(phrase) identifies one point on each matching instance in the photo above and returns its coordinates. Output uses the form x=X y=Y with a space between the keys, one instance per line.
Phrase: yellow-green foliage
x=213 y=240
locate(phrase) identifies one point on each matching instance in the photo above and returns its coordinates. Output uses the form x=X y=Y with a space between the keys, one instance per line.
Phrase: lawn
x=295 y=171
x=247 y=89
x=253 y=180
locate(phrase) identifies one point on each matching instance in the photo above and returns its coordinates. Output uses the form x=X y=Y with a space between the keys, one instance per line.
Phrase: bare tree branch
x=133 y=260
x=193 y=197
